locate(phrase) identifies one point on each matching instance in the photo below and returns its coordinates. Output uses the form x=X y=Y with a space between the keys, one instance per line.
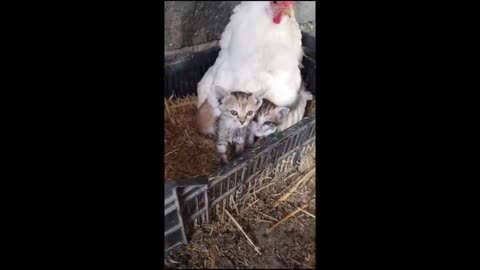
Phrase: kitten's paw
x=239 y=150
x=223 y=160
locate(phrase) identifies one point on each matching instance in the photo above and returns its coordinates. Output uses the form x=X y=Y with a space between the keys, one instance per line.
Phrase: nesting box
x=191 y=203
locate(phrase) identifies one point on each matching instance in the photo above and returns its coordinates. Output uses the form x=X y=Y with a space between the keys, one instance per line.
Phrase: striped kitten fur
x=237 y=109
x=267 y=120
x=271 y=118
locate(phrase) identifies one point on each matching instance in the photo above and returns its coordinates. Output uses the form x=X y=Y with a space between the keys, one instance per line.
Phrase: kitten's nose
x=241 y=122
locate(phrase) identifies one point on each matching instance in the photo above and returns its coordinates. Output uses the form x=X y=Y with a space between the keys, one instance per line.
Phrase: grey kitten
x=237 y=110
x=271 y=118
x=267 y=120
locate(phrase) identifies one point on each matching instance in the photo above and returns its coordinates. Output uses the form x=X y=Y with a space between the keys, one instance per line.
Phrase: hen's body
x=297 y=111
x=255 y=54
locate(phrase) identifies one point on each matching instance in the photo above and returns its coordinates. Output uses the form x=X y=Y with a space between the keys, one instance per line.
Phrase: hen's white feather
x=256 y=54
x=297 y=111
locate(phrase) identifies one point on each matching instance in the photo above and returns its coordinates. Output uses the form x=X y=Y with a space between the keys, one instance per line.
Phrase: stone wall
x=189 y=23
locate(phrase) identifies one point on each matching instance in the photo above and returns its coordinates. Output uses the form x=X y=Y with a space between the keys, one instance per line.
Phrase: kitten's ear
x=259 y=96
x=282 y=112
x=220 y=93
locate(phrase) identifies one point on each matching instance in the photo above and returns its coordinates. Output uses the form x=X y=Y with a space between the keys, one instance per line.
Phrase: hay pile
x=272 y=224
x=187 y=152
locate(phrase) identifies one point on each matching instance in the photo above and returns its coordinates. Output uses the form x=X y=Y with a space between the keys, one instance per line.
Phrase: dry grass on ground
x=272 y=224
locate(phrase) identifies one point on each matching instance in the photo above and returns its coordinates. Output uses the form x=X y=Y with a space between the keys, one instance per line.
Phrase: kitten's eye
x=267 y=123
x=233 y=112
x=249 y=112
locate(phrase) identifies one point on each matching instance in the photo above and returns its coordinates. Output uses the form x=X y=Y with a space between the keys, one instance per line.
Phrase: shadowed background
x=201 y=23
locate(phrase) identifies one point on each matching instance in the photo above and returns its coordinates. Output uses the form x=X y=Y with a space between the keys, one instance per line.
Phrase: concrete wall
x=189 y=23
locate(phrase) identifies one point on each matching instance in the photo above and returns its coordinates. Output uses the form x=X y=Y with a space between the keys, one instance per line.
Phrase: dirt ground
x=282 y=197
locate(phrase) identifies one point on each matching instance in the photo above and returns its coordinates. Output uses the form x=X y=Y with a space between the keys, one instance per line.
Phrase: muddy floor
x=276 y=213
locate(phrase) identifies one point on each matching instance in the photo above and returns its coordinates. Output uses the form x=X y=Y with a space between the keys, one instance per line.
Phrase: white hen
x=261 y=48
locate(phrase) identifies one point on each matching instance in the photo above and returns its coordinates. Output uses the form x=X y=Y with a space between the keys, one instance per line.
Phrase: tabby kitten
x=271 y=118
x=237 y=110
x=266 y=121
